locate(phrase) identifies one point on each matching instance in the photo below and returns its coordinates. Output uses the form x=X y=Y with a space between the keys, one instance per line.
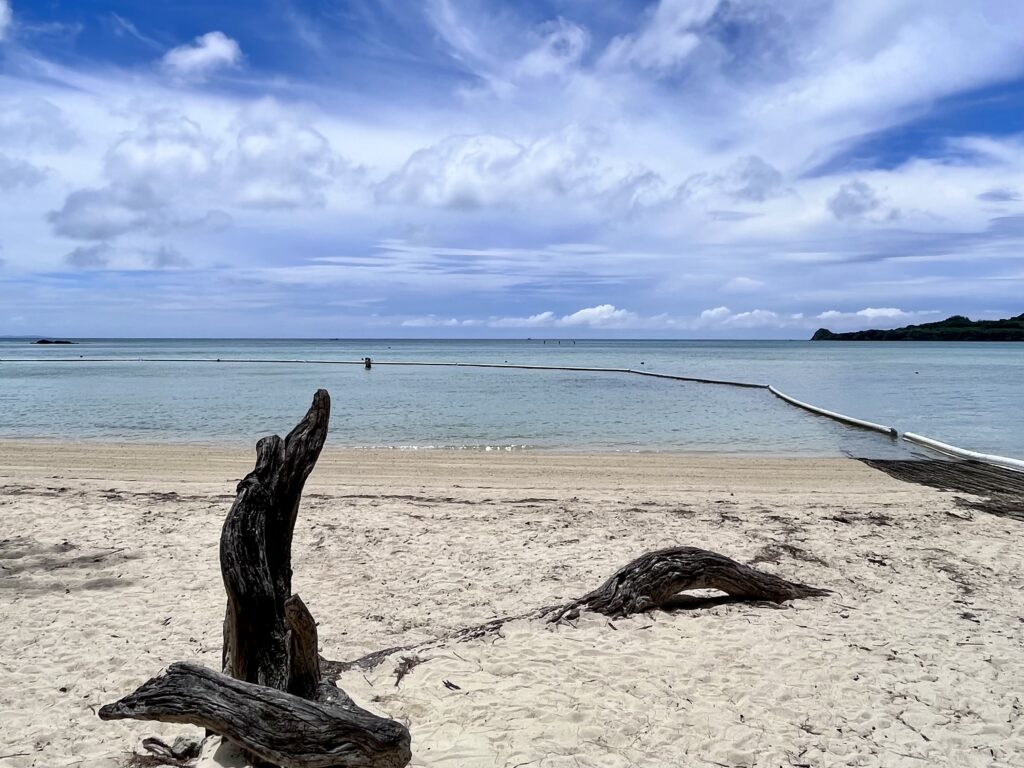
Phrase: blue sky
x=564 y=168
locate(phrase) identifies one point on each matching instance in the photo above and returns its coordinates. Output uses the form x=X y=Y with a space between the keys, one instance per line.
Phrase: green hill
x=956 y=328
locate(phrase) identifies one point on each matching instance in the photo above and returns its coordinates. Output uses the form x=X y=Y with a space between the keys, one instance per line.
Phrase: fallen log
x=278 y=727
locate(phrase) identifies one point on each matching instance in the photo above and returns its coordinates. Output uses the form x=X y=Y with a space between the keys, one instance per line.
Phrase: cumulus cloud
x=890 y=315
x=203 y=56
x=718 y=319
x=89 y=256
x=16 y=174
x=168 y=172
x=751 y=178
x=166 y=257
x=486 y=170
x=723 y=318
x=432 y=321
x=561 y=45
x=101 y=214
x=164 y=159
x=167 y=154
x=601 y=316
x=471 y=171
x=747 y=179
x=32 y=123
x=533 y=321
x=715 y=315
x=853 y=200
x=5 y=18
x=282 y=164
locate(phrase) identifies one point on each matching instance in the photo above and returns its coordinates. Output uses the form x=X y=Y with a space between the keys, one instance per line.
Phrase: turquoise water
x=966 y=394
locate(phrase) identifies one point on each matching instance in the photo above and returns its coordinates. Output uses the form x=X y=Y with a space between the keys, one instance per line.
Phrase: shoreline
x=201 y=462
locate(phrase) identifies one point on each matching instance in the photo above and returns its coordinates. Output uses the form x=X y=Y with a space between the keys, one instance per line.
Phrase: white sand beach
x=109 y=572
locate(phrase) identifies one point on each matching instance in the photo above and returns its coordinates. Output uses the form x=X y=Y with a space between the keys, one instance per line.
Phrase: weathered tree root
x=273 y=725
x=654 y=579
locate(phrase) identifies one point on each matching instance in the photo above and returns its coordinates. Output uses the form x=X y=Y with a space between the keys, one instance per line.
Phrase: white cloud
x=742 y=284
x=561 y=46
x=667 y=38
x=718 y=319
x=30 y=123
x=6 y=17
x=474 y=171
x=601 y=316
x=16 y=173
x=168 y=172
x=738 y=106
x=715 y=315
x=533 y=321
x=875 y=312
x=854 y=199
x=88 y=256
x=747 y=179
x=167 y=154
x=432 y=321
x=100 y=214
x=278 y=163
x=890 y=315
x=203 y=56
x=166 y=257
x=486 y=170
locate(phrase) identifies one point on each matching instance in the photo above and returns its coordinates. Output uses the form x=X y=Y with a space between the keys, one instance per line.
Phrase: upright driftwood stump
x=271 y=699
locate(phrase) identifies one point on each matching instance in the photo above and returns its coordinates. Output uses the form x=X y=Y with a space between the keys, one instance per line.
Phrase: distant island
x=53 y=341
x=955 y=328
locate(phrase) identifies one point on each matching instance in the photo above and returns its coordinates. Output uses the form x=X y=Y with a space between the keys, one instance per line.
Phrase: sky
x=541 y=168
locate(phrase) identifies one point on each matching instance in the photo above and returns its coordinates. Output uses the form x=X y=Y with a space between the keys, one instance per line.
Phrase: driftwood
x=275 y=726
x=271 y=699
x=275 y=698
x=655 y=579
x=650 y=582
x=256 y=550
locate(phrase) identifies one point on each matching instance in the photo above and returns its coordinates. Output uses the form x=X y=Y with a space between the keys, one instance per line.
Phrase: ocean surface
x=963 y=393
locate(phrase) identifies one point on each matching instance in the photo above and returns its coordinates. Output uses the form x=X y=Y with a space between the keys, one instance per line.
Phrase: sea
x=201 y=391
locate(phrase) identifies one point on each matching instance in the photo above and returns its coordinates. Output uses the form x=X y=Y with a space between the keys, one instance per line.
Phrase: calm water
x=966 y=394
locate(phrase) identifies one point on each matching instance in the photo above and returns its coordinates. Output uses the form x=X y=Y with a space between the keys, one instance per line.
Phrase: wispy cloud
x=5 y=18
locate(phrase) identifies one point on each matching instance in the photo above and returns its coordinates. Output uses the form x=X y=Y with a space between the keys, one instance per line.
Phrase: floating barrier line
x=247 y=360
x=936 y=445
x=700 y=381
x=963 y=453
x=521 y=366
x=891 y=431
